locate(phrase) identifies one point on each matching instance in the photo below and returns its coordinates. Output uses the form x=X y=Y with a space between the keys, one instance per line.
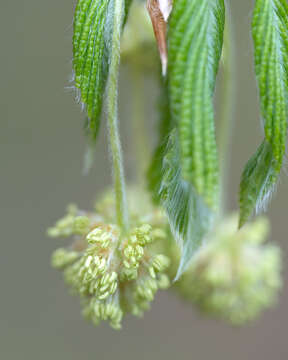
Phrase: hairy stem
x=112 y=114
x=227 y=113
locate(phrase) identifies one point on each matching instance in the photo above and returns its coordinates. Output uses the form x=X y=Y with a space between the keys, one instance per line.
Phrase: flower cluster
x=234 y=276
x=114 y=273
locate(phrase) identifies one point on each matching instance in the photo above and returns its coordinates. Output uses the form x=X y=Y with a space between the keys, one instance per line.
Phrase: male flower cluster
x=114 y=273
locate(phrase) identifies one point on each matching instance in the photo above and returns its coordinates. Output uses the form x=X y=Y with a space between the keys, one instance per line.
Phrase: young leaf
x=258 y=180
x=189 y=189
x=270 y=34
x=189 y=217
x=93 y=29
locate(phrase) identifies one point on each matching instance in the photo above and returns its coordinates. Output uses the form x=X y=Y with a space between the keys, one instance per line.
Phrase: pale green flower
x=114 y=273
x=235 y=275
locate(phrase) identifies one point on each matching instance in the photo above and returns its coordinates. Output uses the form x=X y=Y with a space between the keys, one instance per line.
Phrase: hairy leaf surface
x=189 y=216
x=189 y=189
x=93 y=29
x=270 y=35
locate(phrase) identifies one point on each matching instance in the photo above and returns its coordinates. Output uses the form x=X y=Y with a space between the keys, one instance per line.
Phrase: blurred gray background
x=41 y=153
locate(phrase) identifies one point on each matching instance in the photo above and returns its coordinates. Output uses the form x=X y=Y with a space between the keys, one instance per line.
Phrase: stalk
x=112 y=117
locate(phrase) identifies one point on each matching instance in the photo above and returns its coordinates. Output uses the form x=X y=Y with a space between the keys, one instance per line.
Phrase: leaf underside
x=189 y=217
x=270 y=35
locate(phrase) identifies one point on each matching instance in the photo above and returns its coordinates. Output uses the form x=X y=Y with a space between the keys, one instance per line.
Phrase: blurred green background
x=41 y=153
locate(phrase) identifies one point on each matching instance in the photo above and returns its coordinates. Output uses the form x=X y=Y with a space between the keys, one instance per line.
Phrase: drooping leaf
x=189 y=216
x=190 y=179
x=93 y=28
x=270 y=35
x=195 y=44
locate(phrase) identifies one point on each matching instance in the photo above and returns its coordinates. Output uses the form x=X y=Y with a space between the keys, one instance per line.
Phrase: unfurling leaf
x=93 y=29
x=270 y=34
x=189 y=189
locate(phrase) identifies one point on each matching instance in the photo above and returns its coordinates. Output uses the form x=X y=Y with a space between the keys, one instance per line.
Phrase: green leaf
x=195 y=44
x=270 y=35
x=190 y=180
x=258 y=180
x=189 y=217
x=93 y=29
